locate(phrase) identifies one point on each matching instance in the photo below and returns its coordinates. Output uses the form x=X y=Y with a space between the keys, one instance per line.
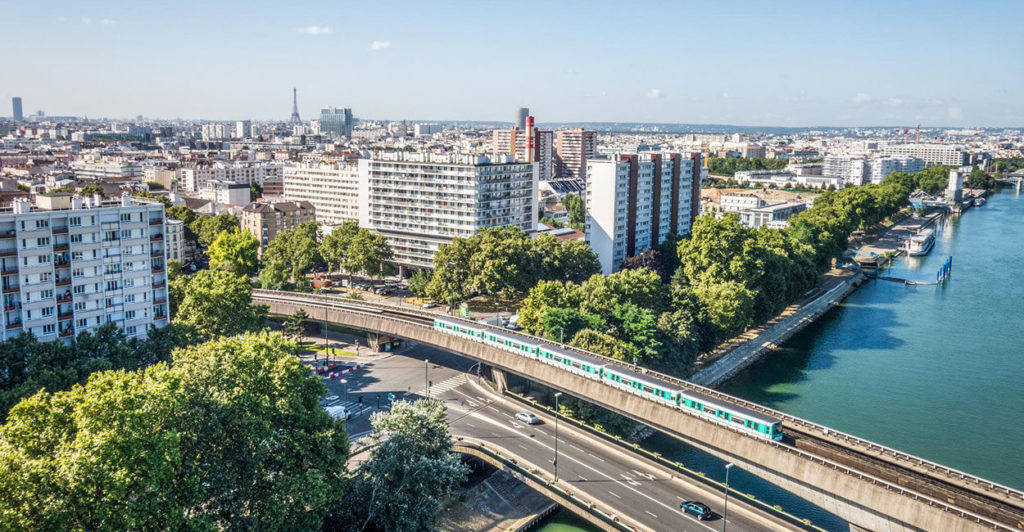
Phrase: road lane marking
x=615 y=494
x=650 y=514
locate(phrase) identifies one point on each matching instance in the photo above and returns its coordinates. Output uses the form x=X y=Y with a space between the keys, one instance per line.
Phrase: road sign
x=391 y=397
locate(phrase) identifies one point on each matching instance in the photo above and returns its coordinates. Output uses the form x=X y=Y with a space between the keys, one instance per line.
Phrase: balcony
x=65 y=298
x=159 y=301
x=158 y=269
x=156 y=222
x=9 y=253
x=158 y=284
x=60 y=231
x=61 y=247
x=67 y=333
x=156 y=238
x=12 y=271
x=10 y=290
x=14 y=325
x=65 y=316
x=63 y=282
x=8 y=234
x=8 y=308
x=156 y=254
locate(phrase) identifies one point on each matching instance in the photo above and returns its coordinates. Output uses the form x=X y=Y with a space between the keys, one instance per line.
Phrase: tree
x=577 y=215
x=232 y=435
x=418 y=282
x=452 y=279
x=562 y=324
x=729 y=306
x=176 y=283
x=336 y=247
x=274 y=275
x=371 y=254
x=295 y=325
x=235 y=252
x=411 y=471
x=219 y=303
x=90 y=189
x=298 y=249
x=208 y=228
x=255 y=191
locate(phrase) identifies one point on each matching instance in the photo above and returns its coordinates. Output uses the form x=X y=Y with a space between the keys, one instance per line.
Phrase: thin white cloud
x=379 y=45
x=861 y=97
x=954 y=112
x=654 y=94
x=725 y=95
x=108 y=22
x=894 y=101
x=86 y=20
x=315 y=30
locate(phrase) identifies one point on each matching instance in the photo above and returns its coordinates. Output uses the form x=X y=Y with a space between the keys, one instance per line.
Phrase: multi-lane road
x=645 y=493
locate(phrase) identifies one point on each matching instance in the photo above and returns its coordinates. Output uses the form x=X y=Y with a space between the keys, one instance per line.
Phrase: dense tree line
x=577 y=212
x=728 y=166
x=1008 y=165
x=505 y=263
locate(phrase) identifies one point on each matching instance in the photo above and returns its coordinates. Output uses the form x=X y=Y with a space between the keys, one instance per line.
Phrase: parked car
x=430 y=304
x=696 y=509
x=528 y=418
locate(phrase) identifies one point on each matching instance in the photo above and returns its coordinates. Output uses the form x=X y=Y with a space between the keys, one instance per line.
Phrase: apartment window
x=131 y=330
x=80 y=289
x=80 y=305
x=112 y=285
x=43 y=259
x=44 y=241
x=129 y=315
x=82 y=323
x=109 y=236
x=77 y=272
x=126 y=233
x=75 y=221
x=42 y=224
x=45 y=294
x=126 y=217
x=49 y=328
x=75 y=239
x=47 y=311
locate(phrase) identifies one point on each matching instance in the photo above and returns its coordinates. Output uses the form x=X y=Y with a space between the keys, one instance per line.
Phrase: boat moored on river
x=921 y=243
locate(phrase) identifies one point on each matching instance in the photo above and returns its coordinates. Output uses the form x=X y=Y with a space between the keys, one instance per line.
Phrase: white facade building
x=194 y=178
x=859 y=170
x=226 y=192
x=174 y=239
x=421 y=200
x=740 y=202
x=106 y=170
x=72 y=264
x=931 y=153
x=635 y=201
x=332 y=188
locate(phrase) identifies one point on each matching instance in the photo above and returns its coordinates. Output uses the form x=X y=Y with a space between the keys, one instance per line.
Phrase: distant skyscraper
x=521 y=115
x=573 y=148
x=16 y=105
x=295 y=107
x=336 y=120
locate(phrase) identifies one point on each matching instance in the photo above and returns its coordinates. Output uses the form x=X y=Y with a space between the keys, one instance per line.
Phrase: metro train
x=695 y=403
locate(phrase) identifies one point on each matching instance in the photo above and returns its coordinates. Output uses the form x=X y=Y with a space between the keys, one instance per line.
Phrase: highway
x=644 y=493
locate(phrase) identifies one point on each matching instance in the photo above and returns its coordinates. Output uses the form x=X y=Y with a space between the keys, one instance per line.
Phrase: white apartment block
x=72 y=264
x=332 y=188
x=857 y=170
x=194 y=178
x=635 y=201
x=97 y=170
x=174 y=239
x=422 y=200
x=931 y=153
x=740 y=202
x=781 y=178
x=226 y=192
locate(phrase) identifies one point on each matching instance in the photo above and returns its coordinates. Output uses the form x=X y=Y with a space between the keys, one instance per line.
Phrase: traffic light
x=360 y=399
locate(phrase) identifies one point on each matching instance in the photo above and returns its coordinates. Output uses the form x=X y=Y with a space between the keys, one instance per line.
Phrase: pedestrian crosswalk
x=439 y=388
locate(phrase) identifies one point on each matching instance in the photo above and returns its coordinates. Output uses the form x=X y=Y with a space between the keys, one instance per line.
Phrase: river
x=935 y=371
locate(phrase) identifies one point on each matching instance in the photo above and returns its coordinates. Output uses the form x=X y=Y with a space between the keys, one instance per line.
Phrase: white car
x=528 y=418
x=429 y=304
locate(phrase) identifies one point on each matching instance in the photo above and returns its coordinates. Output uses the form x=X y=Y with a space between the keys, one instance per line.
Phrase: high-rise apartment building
x=16 y=110
x=527 y=145
x=573 y=148
x=634 y=201
x=421 y=200
x=106 y=169
x=174 y=239
x=332 y=188
x=195 y=178
x=336 y=120
x=521 y=115
x=266 y=220
x=857 y=170
x=931 y=153
x=71 y=264
x=243 y=129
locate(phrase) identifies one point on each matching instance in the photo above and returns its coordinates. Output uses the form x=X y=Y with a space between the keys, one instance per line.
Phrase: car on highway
x=429 y=304
x=528 y=418
x=696 y=509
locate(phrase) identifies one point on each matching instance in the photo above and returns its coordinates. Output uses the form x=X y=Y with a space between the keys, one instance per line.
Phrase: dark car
x=696 y=509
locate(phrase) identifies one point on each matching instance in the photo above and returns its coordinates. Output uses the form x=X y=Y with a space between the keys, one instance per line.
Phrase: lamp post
x=327 y=345
x=725 y=506
x=561 y=338
x=557 y=394
x=426 y=377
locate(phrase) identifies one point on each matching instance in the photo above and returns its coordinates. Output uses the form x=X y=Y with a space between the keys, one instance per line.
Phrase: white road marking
x=650 y=514
x=581 y=477
x=615 y=494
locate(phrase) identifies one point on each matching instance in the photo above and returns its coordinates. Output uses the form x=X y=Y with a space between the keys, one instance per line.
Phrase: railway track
x=948 y=486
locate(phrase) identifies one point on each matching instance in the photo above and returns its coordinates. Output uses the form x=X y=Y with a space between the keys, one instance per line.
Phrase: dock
x=889 y=245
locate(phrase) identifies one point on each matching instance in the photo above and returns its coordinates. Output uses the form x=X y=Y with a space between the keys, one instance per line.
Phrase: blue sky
x=747 y=63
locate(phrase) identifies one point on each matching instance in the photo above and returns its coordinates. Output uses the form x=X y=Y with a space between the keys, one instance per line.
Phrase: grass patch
x=310 y=347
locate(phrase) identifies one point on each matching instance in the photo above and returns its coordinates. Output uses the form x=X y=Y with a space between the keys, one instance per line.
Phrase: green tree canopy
x=236 y=252
x=232 y=435
x=274 y=275
x=298 y=249
x=208 y=228
x=577 y=215
x=219 y=303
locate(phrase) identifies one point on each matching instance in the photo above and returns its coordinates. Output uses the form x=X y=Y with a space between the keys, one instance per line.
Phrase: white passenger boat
x=921 y=243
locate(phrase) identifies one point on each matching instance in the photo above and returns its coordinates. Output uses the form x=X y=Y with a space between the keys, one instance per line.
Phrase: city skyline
x=873 y=64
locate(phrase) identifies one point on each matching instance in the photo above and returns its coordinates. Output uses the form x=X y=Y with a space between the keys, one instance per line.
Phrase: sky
x=784 y=63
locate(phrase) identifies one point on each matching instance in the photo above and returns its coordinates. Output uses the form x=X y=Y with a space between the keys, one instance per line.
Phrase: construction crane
x=906 y=135
x=974 y=147
x=917 y=136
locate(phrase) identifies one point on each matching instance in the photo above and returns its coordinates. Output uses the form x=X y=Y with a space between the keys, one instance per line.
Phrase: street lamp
x=557 y=394
x=327 y=346
x=561 y=338
x=725 y=506
x=426 y=376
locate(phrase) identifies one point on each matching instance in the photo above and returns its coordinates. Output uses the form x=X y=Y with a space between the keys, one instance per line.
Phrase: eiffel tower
x=295 y=107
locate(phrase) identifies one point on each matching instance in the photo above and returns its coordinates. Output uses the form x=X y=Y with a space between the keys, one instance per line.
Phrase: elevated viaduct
x=868 y=485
